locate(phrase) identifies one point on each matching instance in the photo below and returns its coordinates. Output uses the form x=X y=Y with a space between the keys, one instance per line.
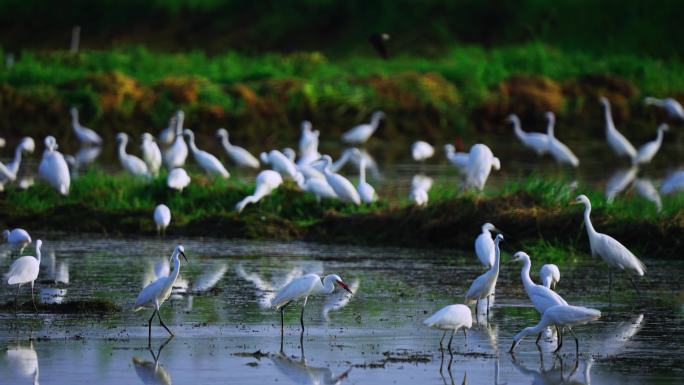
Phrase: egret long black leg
x=560 y=340
x=33 y=299
x=451 y=339
x=162 y=323
x=488 y=307
x=465 y=336
x=282 y=317
x=636 y=289
x=301 y=317
x=441 y=347
x=149 y=329
x=538 y=338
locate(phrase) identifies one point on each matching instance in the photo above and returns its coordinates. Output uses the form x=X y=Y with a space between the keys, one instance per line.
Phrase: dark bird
x=378 y=41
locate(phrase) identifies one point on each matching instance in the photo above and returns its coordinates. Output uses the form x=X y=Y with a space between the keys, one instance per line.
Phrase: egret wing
x=613 y=252
x=294 y=290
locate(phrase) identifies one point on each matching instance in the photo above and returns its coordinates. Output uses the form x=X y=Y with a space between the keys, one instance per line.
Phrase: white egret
x=457 y=159
x=178 y=179
x=300 y=373
x=131 y=163
x=85 y=135
x=538 y=142
x=616 y=140
x=452 y=317
x=266 y=182
x=167 y=135
x=23 y=361
x=318 y=187
x=560 y=316
x=480 y=163
x=671 y=106
x=154 y=294
x=361 y=133
x=26 y=145
x=484 y=246
x=282 y=164
x=419 y=196
x=351 y=155
x=484 y=285
x=648 y=150
x=290 y=154
x=558 y=150
x=673 y=183
x=208 y=162
x=162 y=218
x=86 y=155
x=25 y=270
x=308 y=143
x=53 y=168
x=151 y=372
x=17 y=238
x=647 y=190
x=302 y=288
x=338 y=300
x=151 y=153
x=366 y=191
x=619 y=181
x=343 y=188
x=421 y=151
x=608 y=248
x=6 y=174
x=237 y=154
x=421 y=182
x=176 y=155
x=549 y=274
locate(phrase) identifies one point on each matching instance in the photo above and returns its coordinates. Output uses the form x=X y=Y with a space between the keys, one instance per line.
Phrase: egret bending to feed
x=85 y=135
x=176 y=155
x=134 y=165
x=17 y=238
x=178 y=179
x=53 y=168
x=558 y=149
x=366 y=191
x=480 y=164
x=484 y=285
x=452 y=317
x=343 y=188
x=162 y=218
x=151 y=153
x=609 y=249
x=154 y=294
x=361 y=133
x=302 y=288
x=25 y=270
x=648 y=150
x=616 y=140
x=266 y=182
x=421 y=151
x=457 y=159
x=560 y=316
x=537 y=141
x=549 y=275
x=671 y=106
x=208 y=162
x=237 y=154
x=484 y=246
x=25 y=145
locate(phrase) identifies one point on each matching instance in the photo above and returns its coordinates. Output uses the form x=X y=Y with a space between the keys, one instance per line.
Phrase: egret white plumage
x=151 y=154
x=176 y=155
x=673 y=183
x=421 y=182
x=645 y=188
x=619 y=181
x=162 y=217
x=17 y=238
x=318 y=187
x=154 y=294
x=237 y=154
x=282 y=164
x=536 y=141
x=560 y=316
x=25 y=270
x=26 y=145
x=480 y=163
x=167 y=135
x=558 y=150
x=343 y=188
x=85 y=135
x=549 y=274
x=308 y=144
x=361 y=133
x=484 y=246
x=302 y=288
x=53 y=168
x=671 y=106
x=419 y=197
x=366 y=191
x=484 y=285
x=131 y=163
x=178 y=179
x=648 y=150
x=266 y=182
x=457 y=159
x=608 y=248
x=620 y=145
x=421 y=151
x=351 y=155
x=208 y=162
x=452 y=317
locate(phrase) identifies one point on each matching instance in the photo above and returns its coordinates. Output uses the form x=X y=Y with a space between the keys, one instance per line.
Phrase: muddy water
x=225 y=333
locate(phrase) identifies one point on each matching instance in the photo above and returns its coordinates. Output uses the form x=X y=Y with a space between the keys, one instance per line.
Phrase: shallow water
x=376 y=336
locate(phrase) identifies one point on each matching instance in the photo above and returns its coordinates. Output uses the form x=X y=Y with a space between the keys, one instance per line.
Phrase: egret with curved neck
x=536 y=141
x=616 y=140
x=484 y=285
x=560 y=152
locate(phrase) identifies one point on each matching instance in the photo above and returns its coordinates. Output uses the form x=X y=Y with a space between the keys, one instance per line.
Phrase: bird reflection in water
x=53 y=290
x=339 y=299
x=619 y=181
x=24 y=362
x=559 y=373
x=151 y=372
x=298 y=371
x=448 y=370
x=266 y=290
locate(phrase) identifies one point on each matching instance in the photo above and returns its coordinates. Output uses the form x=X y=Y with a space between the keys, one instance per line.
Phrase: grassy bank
x=533 y=213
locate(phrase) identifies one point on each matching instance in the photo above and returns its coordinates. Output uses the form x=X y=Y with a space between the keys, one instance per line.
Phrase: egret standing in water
x=366 y=191
x=648 y=150
x=452 y=317
x=616 y=140
x=480 y=163
x=162 y=218
x=560 y=152
x=154 y=294
x=484 y=285
x=549 y=274
x=17 y=238
x=25 y=270
x=671 y=106
x=484 y=246
x=302 y=288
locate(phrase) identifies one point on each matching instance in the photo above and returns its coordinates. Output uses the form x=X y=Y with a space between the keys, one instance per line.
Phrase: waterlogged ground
x=226 y=334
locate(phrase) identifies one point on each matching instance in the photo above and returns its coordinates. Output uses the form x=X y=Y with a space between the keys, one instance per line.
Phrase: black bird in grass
x=378 y=40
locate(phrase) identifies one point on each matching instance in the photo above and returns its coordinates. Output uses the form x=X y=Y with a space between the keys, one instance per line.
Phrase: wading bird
x=85 y=135
x=536 y=141
x=237 y=154
x=208 y=162
x=175 y=156
x=17 y=238
x=53 y=168
x=366 y=191
x=360 y=134
x=648 y=150
x=484 y=285
x=609 y=249
x=131 y=163
x=671 y=106
x=25 y=270
x=560 y=316
x=480 y=164
x=302 y=288
x=560 y=152
x=266 y=182
x=484 y=246
x=26 y=145
x=452 y=317
x=457 y=159
x=616 y=140
x=151 y=153
x=178 y=179
x=421 y=151
x=282 y=164
x=162 y=218
x=154 y=294
x=344 y=189
x=549 y=274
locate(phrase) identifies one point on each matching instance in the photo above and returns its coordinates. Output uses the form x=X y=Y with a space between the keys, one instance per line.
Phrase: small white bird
x=457 y=159
x=208 y=162
x=178 y=179
x=151 y=153
x=361 y=133
x=616 y=140
x=302 y=288
x=558 y=150
x=366 y=191
x=176 y=155
x=542 y=297
x=26 y=145
x=560 y=316
x=673 y=183
x=671 y=106
x=318 y=187
x=167 y=135
x=549 y=275
x=608 y=248
x=538 y=142
x=237 y=154
x=25 y=270
x=480 y=163
x=85 y=135
x=131 y=163
x=645 y=188
x=282 y=164
x=266 y=182
x=343 y=188
x=619 y=181
x=154 y=294
x=308 y=143
x=421 y=151
x=351 y=155
x=419 y=197
x=452 y=317
x=53 y=168
x=162 y=218
x=17 y=238
x=484 y=285
x=484 y=246
x=648 y=150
